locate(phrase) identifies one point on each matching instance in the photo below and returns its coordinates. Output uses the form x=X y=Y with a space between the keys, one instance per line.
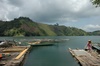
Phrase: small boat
x=41 y=44
x=7 y=43
x=2 y=42
x=96 y=47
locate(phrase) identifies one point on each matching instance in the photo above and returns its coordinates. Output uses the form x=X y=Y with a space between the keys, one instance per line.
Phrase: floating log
x=21 y=54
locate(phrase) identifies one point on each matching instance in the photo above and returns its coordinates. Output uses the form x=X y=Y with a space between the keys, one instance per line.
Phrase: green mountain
x=95 y=33
x=24 y=26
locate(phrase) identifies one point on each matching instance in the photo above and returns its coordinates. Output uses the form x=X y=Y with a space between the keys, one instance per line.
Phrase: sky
x=81 y=14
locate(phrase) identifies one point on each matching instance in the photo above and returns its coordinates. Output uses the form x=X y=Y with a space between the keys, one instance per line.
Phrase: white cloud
x=8 y=11
x=47 y=10
x=91 y=27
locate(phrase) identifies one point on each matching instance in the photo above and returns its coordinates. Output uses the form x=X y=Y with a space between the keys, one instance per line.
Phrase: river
x=56 y=55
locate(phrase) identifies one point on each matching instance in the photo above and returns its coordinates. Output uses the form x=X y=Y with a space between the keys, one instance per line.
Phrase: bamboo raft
x=86 y=58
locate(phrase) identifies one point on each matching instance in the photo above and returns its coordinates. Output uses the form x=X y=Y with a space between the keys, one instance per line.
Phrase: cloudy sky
x=75 y=13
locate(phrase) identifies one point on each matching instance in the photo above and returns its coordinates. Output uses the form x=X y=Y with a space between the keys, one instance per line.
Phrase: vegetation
x=96 y=33
x=96 y=2
x=24 y=26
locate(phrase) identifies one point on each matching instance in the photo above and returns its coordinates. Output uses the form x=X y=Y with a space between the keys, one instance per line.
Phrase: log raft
x=86 y=58
x=14 y=56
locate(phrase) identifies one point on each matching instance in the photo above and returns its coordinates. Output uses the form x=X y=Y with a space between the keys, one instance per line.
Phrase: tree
x=96 y=2
x=56 y=24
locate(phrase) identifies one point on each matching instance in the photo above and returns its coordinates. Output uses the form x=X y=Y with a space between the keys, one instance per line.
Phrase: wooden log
x=21 y=54
x=70 y=50
x=82 y=62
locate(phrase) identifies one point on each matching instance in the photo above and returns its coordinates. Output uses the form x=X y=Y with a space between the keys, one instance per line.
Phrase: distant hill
x=95 y=33
x=24 y=26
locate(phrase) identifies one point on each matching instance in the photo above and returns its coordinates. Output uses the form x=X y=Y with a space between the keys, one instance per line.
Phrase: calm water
x=56 y=55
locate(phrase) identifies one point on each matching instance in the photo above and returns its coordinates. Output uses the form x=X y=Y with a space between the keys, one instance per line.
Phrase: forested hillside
x=24 y=26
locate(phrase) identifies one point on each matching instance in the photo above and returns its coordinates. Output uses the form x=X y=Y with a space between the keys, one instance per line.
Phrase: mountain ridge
x=24 y=26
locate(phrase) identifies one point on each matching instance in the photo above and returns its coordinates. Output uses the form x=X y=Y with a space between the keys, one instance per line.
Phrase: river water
x=56 y=55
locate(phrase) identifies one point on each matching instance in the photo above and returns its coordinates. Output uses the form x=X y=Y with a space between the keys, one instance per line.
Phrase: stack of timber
x=86 y=58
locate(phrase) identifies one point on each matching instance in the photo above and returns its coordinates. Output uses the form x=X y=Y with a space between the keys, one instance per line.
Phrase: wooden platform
x=86 y=58
x=13 y=56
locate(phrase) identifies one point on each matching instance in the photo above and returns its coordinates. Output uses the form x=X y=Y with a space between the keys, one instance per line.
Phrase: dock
x=13 y=56
x=85 y=58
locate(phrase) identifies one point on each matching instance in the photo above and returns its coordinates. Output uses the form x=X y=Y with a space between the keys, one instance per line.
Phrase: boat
x=41 y=44
x=2 y=42
x=96 y=47
x=7 y=43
